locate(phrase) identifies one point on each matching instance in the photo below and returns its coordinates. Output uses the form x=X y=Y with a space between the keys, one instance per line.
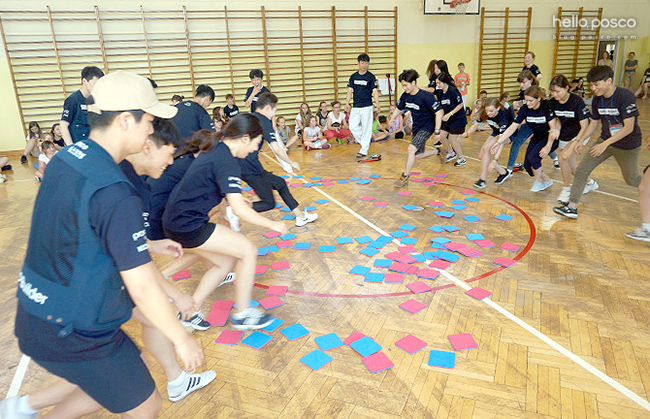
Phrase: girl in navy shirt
x=215 y=174
x=573 y=115
x=454 y=118
x=539 y=117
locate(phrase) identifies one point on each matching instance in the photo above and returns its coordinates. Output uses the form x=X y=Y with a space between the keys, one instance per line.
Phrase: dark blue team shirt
x=537 y=120
x=254 y=102
x=161 y=188
x=191 y=117
x=230 y=112
x=501 y=121
x=612 y=111
x=570 y=114
x=209 y=178
x=75 y=112
x=448 y=101
x=533 y=69
x=362 y=85
x=251 y=165
x=141 y=188
x=423 y=106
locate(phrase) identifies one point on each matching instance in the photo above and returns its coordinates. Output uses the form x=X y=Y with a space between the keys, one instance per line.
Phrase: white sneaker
x=9 y=409
x=590 y=186
x=540 y=186
x=308 y=218
x=564 y=195
x=232 y=219
x=191 y=383
x=639 y=234
x=450 y=156
x=196 y=322
x=228 y=279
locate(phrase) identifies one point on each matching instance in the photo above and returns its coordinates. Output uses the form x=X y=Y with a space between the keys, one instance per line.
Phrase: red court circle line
x=518 y=256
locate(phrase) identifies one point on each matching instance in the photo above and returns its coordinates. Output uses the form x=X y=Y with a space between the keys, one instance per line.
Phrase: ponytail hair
x=535 y=91
x=240 y=125
x=193 y=145
x=446 y=78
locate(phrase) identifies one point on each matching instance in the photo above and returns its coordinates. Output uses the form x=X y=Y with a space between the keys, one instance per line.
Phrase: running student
x=362 y=87
x=252 y=93
x=427 y=120
x=337 y=125
x=214 y=175
x=499 y=118
x=192 y=114
x=454 y=119
x=620 y=135
x=539 y=117
x=230 y=110
x=264 y=182
x=574 y=116
x=74 y=122
x=75 y=331
x=643 y=233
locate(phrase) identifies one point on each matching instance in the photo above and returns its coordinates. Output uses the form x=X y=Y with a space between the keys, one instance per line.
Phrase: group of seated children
x=42 y=145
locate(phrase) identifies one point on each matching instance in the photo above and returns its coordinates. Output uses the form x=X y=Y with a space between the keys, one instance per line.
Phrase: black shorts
x=419 y=140
x=192 y=239
x=646 y=169
x=453 y=130
x=119 y=382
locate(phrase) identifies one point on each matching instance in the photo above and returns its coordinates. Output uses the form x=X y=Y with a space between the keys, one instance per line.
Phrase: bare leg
x=159 y=346
x=485 y=156
x=149 y=409
x=31 y=144
x=74 y=405
x=644 y=198
x=4 y=161
x=178 y=265
x=410 y=159
x=220 y=266
x=455 y=143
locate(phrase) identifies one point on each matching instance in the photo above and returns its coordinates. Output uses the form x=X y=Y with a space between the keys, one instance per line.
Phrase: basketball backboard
x=452 y=7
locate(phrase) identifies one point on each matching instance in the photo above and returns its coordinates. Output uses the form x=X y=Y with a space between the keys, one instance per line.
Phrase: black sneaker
x=502 y=178
x=567 y=211
x=23 y=159
x=518 y=167
x=479 y=184
x=196 y=322
x=7 y=167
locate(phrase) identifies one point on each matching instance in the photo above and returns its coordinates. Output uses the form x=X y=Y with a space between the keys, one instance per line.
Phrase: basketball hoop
x=460 y=6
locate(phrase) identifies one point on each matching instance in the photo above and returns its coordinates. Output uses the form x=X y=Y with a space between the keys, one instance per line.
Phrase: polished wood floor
x=580 y=283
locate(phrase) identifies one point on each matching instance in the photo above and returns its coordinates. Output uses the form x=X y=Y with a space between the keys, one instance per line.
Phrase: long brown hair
x=490 y=101
x=431 y=68
x=535 y=91
x=31 y=134
x=240 y=125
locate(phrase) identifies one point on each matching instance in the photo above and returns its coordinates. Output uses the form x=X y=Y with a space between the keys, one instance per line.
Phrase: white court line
x=18 y=377
x=555 y=180
x=462 y=284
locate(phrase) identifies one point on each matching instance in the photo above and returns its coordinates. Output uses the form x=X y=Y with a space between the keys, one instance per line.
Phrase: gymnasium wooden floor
x=579 y=284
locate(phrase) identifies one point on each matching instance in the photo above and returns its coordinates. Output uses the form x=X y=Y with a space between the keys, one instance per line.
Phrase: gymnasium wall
x=420 y=37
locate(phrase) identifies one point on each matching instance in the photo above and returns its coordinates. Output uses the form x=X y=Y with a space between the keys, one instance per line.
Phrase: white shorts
x=563 y=144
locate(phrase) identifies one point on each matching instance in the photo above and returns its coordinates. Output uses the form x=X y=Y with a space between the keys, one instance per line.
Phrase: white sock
x=178 y=381
x=645 y=226
x=22 y=406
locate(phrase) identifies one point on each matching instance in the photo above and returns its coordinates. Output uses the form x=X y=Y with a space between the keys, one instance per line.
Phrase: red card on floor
x=222 y=305
x=436 y=204
x=462 y=341
x=280 y=266
x=404 y=193
x=407 y=249
x=381 y=204
x=393 y=278
x=412 y=306
x=410 y=344
x=454 y=246
x=355 y=336
x=284 y=243
x=271 y=302
x=367 y=198
x=478 y=293
x=418 y=287
x=439 y=264
x=511 y=247
x=411 y=270
x=377 y=362
x=260 y=269
x=399 y=267
x=485 y=243
x=398 y=257
x=271 y=234
x=427 y=273
x=470 y=252
x=279 y=290
x=229 y=337
x=505 y=262
x=181 y=275
x=218 y=317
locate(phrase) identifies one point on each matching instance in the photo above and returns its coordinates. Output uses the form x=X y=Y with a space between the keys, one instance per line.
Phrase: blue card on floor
x=442 y=359
x=302 y=245
x=377 y=244
x=457 y=202
x=316 y=359
x=257 y=340
x=354 y=179
x=418 y=257
x=435 y=245
x=274 y=325
x=342 y=181
x=374 y=277
x=273 y=249
x=363 y=182
x=458 y=207
x=316 y=177
x=326 y=249
x=262 y=251
x=252 y=304
x=382 y=263
x=363 y=239
x=399 y=234
x=344 y=240
x=375 y=176
x=472 y=218
x=504 y=217
x=474 y=237
x=309 y=208
x=407 y=227
x=441 y=240
x=289 y=217
x=472 y=199
x=321 y=201
x=385 y=239
x=448 y=256
x=369 y=251
x=409 y=240
x=444 y=214
x=436 y=229
x=329 y=341
x=288 y=236
x=450 y=228
x=359 y=270
x=294 y=332
x=365 y=346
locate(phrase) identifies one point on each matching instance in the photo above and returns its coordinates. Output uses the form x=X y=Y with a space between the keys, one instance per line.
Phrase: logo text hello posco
x=574 y=21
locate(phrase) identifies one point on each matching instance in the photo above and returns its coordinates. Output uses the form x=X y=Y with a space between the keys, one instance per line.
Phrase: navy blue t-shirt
x=209 y=178
x=191 y=117
x=161 y=188
x=537 y=120
x=533 y=69
x=115 y=215
x=251 y=165
x=362 y=85
x=254 y=102
x=612 y=111
x=75 y=112
x=448 y=101
x=423 y=106
x=501 y=121
x=230 y=112
x=570 y=114
x=141 y=188
x=432 y=81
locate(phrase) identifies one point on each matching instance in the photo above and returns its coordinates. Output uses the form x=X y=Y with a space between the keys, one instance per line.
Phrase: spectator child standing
x=462 y=82
x=257 y=79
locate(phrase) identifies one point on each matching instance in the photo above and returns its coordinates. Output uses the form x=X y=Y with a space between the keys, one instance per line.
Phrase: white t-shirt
x=335 y=120
x=42 y=157
x=312 y=132
x=298 y=119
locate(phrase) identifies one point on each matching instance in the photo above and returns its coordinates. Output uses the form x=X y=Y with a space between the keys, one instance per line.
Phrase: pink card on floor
x=411 y=344
x=278 y=290
x=505 y=262
x=229 y=337
x=181 y=275
x=280 y=266
x=222 y=305
x=260 y=269
x=454 y=246
x=412 y=306
x=418 y=287
x=404 y=193
x=218 y=317
x=271 y=302
x=436 y=204
x=462 y=341
x=399 y=267
x=393 y=278
x=470 y=252
x=478 y=293
x=439 y=264
x=367 y=198
x=511 y=247
x=355 y=336
x=404 y=258
x=284 y=243
x=407 y=249
x=271 y=234
x=484 y=243
x=427 y=273
x=415 y=173
x=377 y=362
x=381 y=204
x=411 y=270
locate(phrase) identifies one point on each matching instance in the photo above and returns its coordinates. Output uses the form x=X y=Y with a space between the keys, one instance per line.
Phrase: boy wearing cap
x=362 y=86
x=87 y=267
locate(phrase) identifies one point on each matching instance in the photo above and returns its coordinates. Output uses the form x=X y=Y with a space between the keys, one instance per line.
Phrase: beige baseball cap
x=124 y=91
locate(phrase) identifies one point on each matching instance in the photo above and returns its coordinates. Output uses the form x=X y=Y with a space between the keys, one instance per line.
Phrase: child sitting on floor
x=380 y=129
x=284 y=132
x=312 y=137
x=47 y=151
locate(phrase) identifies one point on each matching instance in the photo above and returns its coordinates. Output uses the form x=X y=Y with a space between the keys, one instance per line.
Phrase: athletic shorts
x=419 y=140
x=120 y=382
x=563 y=144
x=453 y=130
x=646 y=169
x=192 y=239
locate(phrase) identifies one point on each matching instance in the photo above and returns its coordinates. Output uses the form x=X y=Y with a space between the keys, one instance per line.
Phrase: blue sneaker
x=251 y=319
